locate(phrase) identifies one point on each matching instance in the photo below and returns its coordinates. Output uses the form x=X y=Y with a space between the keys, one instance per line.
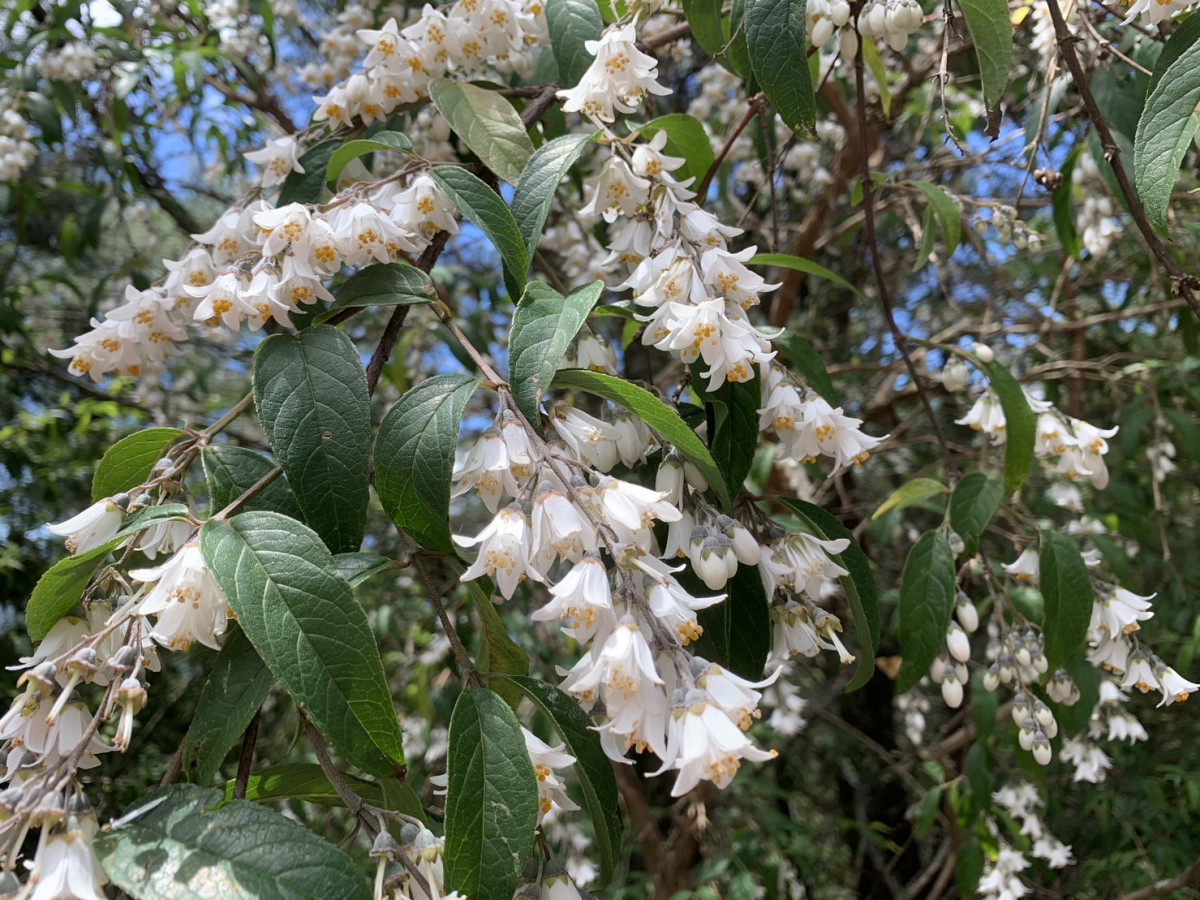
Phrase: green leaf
x=879 y=72
x=592 y=766
x=352 y=150
x=301 y=616
x=1020 y=426
x=127 y=463
x=807 y=362
x=1067 y=591
x=984 y=705
x=787 y=261
x=778 y=57
x=991 y=30
x=414 y=457
x=1164 y=132
x=491 y=798
x=686 y=139
x=303 y=781
x=975 y=500
x=231 y=471
x=534 y=193
x=394 y=284
x=173 y=846
x=543 y=327
x=944 y=209
x=310 y=391
x=484 y=209
x=236 y=687
x=927 y=591
x=498 y=653
x=358 y=567
x=660 y=417
x=859 y=586
x=912 y=492
x=704 y=17
x=309 y=186
x=737 y=631
x=60 y=588
x=736 y=436
x=736 y=57
x=487 y=123
x=1180 y=40
x=571 y=24
x=968 y=868
x=978 y=770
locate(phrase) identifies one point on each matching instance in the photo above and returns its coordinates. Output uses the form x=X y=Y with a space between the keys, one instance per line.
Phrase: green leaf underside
x=171 y=846
x=1165 y=131
x=231 y=471
x=571 y=24
x=1187 y=34
x=990 y=24
x=236 y=688
x=304 y=781
x=975 y=500
x=912 y=492
x=491 y=798
x=927 y=591
x=776 y=43
x=686 y=139
x=484 y=209
x=1067 y=591
x=543 y=327
x=534 y=193
x=351 y=150
x=1020 y=426
x=592 y=767
x=414 y=457
x=653 y=412
x=394 y=284
x=127 y=463
x=310 y=391
x=309 y=186
x=787 y=261
x=487 y=123
x=859 y=586
x=359 y=566
x=301 y=616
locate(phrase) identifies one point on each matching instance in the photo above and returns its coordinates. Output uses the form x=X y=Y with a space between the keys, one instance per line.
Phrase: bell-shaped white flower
x=618 y=78
x=552 y=793
x=278 y=159
x=66 y=864
x=1025 y=568
x=89 y=529
x=582 y=600
x=703 y=743
x=189 y=603
x=504 y=551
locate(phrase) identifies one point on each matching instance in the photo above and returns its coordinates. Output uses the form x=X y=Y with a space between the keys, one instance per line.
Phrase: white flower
x=89 y=529
x=1175 y=688
x=986 y=416
x=504 y=549
x=618 y=78
x=1025 y=568
x=1120 y=611
x=1091 y=763
x=1140 y=674
x=552 y=793
x=277 y=160
x=28 y=727
x=724 y=274
x=802 y=562
x=632 y=509
x=590 y=440
x=187 y=599
x=703 y=743
x=582 y=600
x=559 y=529
x=66 y=864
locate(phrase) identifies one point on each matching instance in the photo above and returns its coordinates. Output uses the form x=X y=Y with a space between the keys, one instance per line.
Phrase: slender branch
x=354 y=803
x=1190 y=878
x=898 y=336
x=268 y=104
x=756 y=103
x=383 y=350
x=470 y=674
x=667 y=36
x=1182 y=284
x=246 y=760
x=537 y=107
x=250 y=493
x=218 y=426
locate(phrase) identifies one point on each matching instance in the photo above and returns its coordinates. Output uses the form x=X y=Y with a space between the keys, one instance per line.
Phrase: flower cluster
x=16 y=153
x=891 y=21
x=73 y=61
x=618 y=78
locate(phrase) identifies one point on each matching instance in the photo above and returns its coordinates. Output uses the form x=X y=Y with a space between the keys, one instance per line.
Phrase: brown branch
x=264 y=104
x=756 y=103
x=1182 y=284
x=246 y=760
x=1188 y=879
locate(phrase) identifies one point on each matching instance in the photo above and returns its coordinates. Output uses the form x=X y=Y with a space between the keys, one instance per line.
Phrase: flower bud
x=957 y=642
x=1041 y=749
x=952 y=692
x=984 y=352
x=966 y=613
x=954 y=375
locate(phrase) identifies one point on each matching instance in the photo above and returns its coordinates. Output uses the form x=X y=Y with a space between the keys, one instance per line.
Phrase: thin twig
x=470 y=674
x=246 y=760
x=756 y=103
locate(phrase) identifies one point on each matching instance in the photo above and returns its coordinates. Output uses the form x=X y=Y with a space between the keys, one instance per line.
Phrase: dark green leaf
x=778 y=56
x=60 y=588
x=127 y=463
x=909 y=493
x=301 y=616
x=534 y=193
x=859 y=586
x=394 y=284
x=990 y=24
x=1067 y=591
x=491 y=798
x=414 y=457
x=352 y=150
x=543 y=327
x=484 y=209
x=704 y=17
x=487 y=123
x=654 y=413
x=231 y=471
x=1020 y=426
x=571 y=24
x=592 y=766
x=1165 y=132
x=686 y=139
x=498 y=653
x=303 y=781
x=927 y=591
x=310 y=391
x=968 y=868
x=944 y=209
x=807 y=362
x=309 y=186
x=736 y=436
x=787 y=261
x=174 y=846
x=737 y=631
x=975 y=500
x=236 y=688
x=979 y=775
